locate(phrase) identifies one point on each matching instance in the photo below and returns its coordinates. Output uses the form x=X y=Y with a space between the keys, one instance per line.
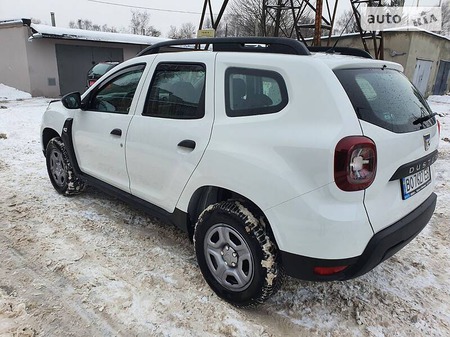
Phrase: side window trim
x=87 y=101
x=252 y=111
x=201 y=103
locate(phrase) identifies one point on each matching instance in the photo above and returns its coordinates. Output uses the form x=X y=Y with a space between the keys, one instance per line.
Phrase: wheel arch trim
x=66 y=136
x=47 y=135
x=207 y=195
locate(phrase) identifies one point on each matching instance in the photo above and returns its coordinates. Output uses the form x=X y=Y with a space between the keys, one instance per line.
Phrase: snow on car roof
x=44 y=31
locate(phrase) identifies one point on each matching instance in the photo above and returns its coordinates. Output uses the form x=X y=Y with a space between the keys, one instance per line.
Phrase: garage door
x=442 y=78
x=75 y=61
x=422 y=75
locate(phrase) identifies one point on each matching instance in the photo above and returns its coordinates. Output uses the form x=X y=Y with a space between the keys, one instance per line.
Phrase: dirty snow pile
x=93 y=266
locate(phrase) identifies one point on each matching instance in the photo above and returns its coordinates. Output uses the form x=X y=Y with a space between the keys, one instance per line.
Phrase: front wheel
x=59 y=169
x=236 y=255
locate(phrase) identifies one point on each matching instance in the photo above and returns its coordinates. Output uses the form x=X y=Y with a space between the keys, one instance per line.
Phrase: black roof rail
x=276 y=45
x=341 y=50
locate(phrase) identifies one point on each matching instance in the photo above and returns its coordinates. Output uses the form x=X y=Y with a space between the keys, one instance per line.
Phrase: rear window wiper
x=424 y=118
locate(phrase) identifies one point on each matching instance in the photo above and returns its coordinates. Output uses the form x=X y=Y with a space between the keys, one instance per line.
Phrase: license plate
x=415 y=183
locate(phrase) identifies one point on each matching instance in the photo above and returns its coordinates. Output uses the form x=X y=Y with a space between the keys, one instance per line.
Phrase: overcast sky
x=162 y=13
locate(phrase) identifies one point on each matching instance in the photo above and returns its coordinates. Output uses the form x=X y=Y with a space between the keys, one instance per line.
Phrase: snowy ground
x=93 y=266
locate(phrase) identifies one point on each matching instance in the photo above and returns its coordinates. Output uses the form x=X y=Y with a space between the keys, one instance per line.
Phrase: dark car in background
x=98 y=71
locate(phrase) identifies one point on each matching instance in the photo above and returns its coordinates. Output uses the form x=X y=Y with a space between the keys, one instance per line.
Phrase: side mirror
x=72 y=100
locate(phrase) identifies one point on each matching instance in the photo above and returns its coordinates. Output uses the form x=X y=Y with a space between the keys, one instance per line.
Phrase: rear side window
x=386 y=98
x=254 y=92
x=177 y=92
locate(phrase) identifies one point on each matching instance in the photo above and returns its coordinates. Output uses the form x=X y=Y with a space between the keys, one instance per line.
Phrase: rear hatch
x=398 y=119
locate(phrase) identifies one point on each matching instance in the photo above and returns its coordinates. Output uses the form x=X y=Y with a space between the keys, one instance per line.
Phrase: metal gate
x=422 y=75
x=75 y=61
x=442 y=78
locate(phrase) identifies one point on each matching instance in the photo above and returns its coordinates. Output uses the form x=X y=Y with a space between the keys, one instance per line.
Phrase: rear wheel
x=237 y=257
x=59 y=169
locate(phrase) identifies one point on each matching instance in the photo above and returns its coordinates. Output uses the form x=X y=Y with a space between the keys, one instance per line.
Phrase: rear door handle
x=116 y=132
x=187 y=143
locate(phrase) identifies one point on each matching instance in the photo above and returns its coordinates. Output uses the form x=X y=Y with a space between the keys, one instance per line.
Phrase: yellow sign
x=206 y=32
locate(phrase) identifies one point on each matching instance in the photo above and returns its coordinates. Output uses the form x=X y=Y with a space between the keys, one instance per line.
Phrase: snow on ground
x=10 y=94
x=93 y=266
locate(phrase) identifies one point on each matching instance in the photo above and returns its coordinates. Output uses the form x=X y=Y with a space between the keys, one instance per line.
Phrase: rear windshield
x=386 y=98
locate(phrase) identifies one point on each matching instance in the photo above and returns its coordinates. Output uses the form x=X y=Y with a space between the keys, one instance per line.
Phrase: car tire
x=60 y=171
x=236 y=255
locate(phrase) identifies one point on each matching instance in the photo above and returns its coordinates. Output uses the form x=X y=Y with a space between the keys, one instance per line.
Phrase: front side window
x=386 y=98
x=177 y=92
x=100 y=69
x=254 y=92
x=116 y=95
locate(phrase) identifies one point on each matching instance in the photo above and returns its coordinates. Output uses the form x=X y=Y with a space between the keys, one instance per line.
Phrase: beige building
x=425 y=56
x=52 y=61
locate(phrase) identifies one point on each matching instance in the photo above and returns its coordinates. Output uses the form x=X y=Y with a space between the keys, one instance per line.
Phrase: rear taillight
x=91 y=82
x=355 y=163
x=439 y=129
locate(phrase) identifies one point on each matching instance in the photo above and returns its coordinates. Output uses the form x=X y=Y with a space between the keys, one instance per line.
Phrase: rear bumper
x=382 y=246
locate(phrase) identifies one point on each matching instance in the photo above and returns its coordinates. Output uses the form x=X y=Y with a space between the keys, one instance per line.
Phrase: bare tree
x=446 y=18
x=81 y=24
x=346 y=23
x=173 y=32
x=106 y=28
x=88 y=25
x=394 y=3
x=245 y=18
x=221 y=30
x=140 y=24
x=186 y=31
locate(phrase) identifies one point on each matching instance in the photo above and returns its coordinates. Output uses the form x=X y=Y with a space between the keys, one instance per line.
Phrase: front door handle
x=116 y=132
x=187 y=143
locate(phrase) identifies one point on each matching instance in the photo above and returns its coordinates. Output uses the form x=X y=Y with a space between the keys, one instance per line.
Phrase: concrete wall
x=427 y=47
x=396 y=49
x=14 y=58
x=130 y=51
x=44 y=67
x=32 y=66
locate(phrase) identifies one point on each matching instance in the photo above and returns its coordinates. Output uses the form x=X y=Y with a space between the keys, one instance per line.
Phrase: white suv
x=274 y=159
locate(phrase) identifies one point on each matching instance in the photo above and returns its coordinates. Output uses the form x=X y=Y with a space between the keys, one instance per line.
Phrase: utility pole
x=318 y=23
x=278 y=18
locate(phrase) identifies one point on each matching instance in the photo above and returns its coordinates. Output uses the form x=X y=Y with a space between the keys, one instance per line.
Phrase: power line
x=141 y=7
